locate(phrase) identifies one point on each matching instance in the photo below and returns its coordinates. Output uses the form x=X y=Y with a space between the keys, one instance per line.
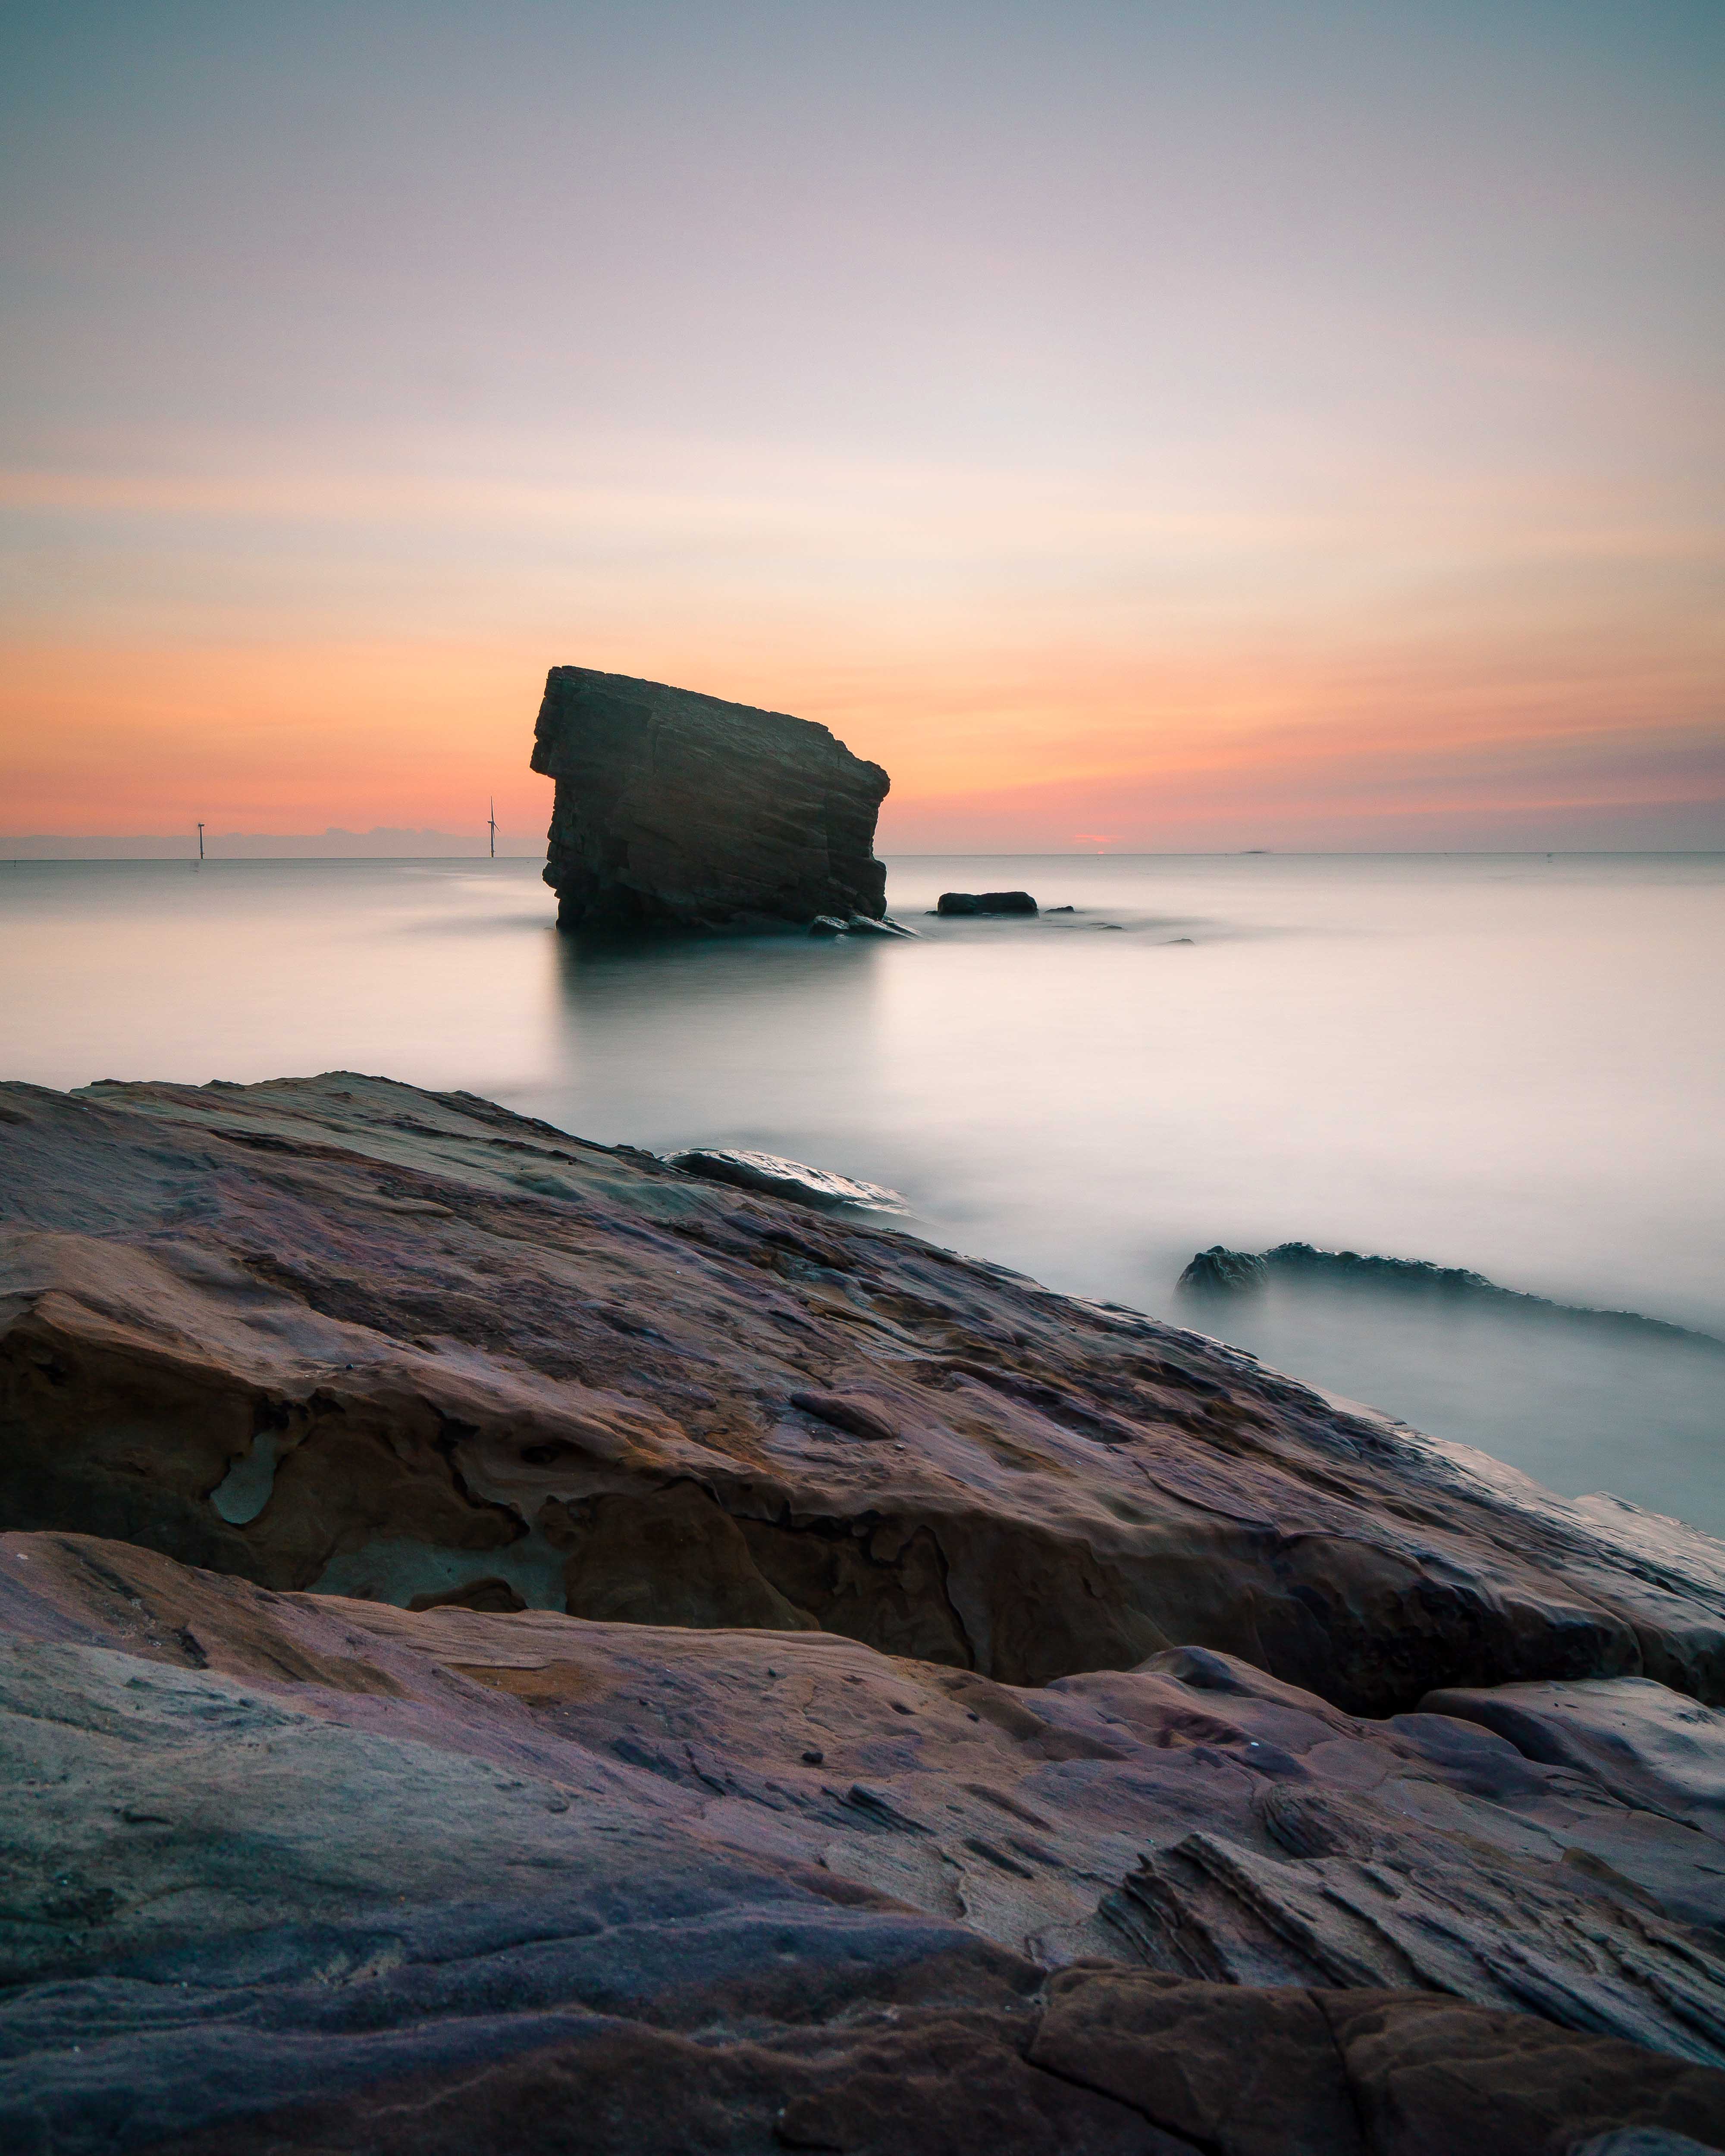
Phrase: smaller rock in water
x=746 y=1170
x=1217 y=1269
x=828 y=924
x=1220 y=1272
x=986 y=901
x=1060 y=909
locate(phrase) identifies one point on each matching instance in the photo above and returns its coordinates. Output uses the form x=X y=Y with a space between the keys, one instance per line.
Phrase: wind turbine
x=494 y=827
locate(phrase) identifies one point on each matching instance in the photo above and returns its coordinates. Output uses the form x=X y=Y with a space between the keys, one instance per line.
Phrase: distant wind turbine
x=494 y=827
x=200 y=841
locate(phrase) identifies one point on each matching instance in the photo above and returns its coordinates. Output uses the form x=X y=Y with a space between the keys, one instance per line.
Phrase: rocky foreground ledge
x=859 y=1700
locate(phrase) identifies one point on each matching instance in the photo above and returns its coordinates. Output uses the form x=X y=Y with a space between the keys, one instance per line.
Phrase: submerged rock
x=986 y=901
x=1217 y=1269
x=674 y=809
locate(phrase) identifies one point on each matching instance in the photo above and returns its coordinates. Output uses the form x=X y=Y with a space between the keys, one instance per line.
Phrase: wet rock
x=1303 y=1262
x=1220 y=1272
x=746 y=1170
x=676 y=810
x=828 y=925
x=985 y=902
x=860 y=925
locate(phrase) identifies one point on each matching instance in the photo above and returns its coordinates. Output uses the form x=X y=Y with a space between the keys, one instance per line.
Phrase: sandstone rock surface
x=851 y=1698
x=292 y=1873
x=342 y=1334
x=674 y=809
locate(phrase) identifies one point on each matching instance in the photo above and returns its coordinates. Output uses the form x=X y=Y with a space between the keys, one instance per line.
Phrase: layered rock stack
x=677 y=810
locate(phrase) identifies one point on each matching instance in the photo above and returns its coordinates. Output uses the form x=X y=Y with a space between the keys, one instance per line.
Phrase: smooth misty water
x=1507 y=1063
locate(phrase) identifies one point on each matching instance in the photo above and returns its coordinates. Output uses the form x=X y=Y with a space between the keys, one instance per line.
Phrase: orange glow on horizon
x=1042 y=751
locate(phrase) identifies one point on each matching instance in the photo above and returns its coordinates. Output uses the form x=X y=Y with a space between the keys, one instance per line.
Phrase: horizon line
x=1147 y=853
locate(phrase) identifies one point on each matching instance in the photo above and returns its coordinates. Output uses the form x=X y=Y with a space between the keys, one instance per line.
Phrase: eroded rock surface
x=342 y=1334
x=290 y=1873
x=674 y=809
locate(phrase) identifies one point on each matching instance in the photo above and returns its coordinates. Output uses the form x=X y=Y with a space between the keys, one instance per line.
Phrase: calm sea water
x=1508 y=1063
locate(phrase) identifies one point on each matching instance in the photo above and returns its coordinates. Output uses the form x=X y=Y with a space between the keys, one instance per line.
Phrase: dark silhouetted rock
x=674 y=809
x=1219 y=1272
x=986 y=901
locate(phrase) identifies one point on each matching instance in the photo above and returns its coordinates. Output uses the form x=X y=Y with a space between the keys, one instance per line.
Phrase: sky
x=1139 y=424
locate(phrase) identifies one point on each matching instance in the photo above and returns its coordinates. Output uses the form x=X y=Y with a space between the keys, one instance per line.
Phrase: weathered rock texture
x=949 y=1716
x=288 y=1873
x=677 y=810
x=337 y=1333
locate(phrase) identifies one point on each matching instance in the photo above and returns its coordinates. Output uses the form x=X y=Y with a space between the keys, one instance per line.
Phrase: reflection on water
x=1509 y=1064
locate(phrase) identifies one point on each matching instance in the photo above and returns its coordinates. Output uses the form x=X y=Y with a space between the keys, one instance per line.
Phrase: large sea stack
x=678 y=810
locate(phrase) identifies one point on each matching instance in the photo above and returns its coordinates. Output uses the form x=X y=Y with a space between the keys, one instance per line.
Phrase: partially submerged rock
x=860 y=925
x=985 y=902
x=674 y=809
x=343 y=1334
x=1221 y=1270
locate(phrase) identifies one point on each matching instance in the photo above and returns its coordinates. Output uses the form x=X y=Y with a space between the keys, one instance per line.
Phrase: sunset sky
x=1156 y=424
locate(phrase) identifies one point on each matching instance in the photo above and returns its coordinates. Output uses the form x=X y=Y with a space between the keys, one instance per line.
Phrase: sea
x=1513 y=1064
